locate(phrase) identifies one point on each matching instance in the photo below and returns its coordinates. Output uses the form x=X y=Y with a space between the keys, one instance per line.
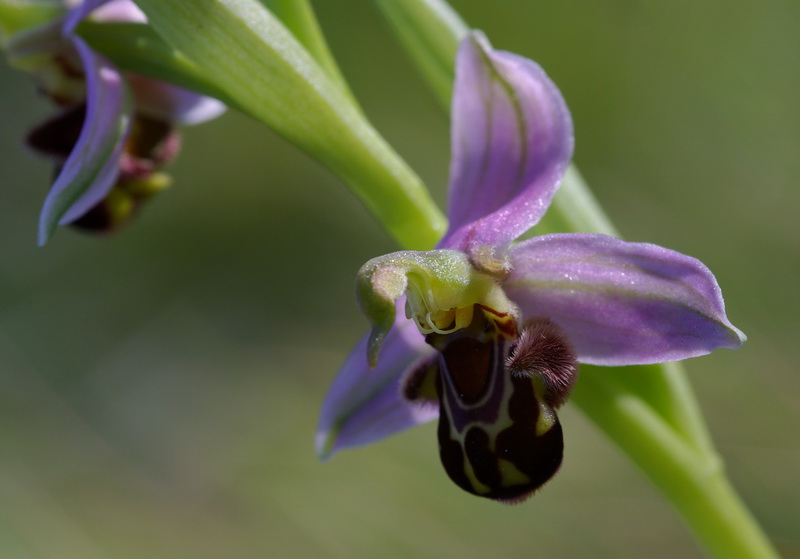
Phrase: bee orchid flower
x=113 y=131
x=486 y=334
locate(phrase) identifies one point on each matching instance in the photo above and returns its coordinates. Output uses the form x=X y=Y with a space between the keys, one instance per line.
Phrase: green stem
x=578 y=207
x=651 y=412
x=429 y=30
x=298 y=16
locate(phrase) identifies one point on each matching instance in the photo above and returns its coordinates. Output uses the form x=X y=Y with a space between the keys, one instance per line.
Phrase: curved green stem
x=298 y=16
x=694 y=480
x=429 y=30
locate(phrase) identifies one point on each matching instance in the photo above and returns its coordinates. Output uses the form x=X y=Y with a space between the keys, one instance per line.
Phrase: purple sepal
x=364 y=405
x=92 y=168
x=170 y=103
x=122 y=11
x=621 y=303
x=78 y=14
x=512 y=140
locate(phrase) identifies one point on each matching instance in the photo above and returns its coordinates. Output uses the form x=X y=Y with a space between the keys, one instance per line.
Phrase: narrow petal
x=621 y=303
x=92 y=168
x=78 y=13
x=121 y=11
x=512 y=141
x=170 y=103
x=365 y=405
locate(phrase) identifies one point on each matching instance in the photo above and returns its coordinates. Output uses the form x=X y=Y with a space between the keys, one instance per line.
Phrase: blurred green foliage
x=159 y=389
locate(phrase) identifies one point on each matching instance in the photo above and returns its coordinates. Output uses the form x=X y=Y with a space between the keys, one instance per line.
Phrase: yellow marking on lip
x=510 y=474
x=479 y=487
x=546 y=420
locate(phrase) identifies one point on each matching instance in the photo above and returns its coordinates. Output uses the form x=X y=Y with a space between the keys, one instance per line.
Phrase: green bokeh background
x=159 y=389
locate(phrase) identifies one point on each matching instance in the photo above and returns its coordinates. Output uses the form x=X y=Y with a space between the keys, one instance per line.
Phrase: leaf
x=245 y=51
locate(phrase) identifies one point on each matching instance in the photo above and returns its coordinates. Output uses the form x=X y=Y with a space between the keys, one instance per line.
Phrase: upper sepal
x=512 y=140
x=621 y=303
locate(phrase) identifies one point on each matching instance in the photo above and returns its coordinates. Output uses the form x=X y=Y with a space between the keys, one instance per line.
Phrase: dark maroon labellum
x=499 y=436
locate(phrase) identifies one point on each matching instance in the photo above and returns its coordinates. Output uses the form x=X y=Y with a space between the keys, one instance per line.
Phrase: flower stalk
x=298 y=16
x=692 y=479
x=429 y=30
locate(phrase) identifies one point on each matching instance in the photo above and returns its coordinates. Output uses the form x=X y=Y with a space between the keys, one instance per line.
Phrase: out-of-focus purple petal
x=119 y=11
x=78 y=13
x=621 y=303
x=170 y=103
x=156 y=99
x=512 y=141
x=92 y=168
x=365 y=405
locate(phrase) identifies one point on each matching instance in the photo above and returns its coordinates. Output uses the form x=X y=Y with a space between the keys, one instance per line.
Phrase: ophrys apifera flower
x=489 y=333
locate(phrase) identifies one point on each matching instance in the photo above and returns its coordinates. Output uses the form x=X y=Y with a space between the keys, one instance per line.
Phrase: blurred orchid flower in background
x=114 y=130
x=499 y=327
